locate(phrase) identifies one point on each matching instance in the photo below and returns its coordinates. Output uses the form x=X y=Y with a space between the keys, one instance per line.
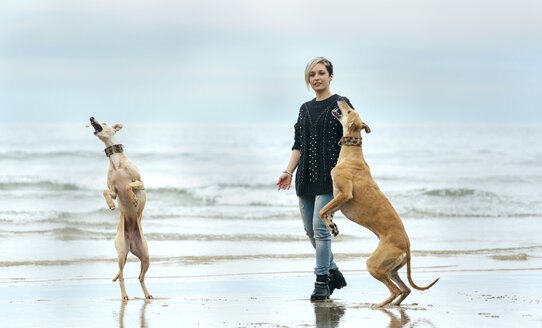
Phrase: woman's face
x=319 y=78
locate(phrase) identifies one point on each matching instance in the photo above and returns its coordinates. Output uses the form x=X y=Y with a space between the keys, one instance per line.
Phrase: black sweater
x=317 y=134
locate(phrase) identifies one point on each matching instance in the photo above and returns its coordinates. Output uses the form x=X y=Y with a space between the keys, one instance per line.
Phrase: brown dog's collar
x=113 y=149
x=350 y=141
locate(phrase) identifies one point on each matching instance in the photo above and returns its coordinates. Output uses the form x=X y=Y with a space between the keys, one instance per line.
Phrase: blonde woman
x=314 y=154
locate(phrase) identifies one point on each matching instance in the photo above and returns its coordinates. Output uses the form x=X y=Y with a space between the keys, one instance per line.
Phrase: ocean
x=469 y=196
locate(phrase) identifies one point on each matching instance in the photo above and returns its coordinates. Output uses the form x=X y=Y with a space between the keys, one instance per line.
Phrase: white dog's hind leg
x=140 y=249
x=122 y=253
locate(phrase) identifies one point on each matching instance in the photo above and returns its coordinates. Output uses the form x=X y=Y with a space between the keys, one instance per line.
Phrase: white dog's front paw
x=133 y=199
x=111 y=205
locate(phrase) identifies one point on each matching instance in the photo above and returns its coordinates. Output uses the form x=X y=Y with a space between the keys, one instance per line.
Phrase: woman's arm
x=285 y=179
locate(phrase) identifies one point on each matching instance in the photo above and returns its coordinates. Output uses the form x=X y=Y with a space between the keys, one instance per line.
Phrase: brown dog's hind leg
x=405 y=291
x=394 y=290
x=344 y=187
x=379 y=264
x=394 y=275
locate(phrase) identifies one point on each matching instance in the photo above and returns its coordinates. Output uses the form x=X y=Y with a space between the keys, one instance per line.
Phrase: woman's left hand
x=284 y=181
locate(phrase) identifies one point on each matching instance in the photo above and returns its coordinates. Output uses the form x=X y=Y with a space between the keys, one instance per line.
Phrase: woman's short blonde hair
x=313 y=63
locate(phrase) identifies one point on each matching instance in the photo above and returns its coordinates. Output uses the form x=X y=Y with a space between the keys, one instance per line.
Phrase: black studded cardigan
x=317 y=134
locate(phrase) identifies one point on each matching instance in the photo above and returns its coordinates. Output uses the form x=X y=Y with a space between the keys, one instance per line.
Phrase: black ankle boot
x=321 y=288
x=336 y=280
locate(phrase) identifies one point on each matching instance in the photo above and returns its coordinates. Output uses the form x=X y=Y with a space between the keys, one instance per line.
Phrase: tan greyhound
x=358 y=197
x=124 y=182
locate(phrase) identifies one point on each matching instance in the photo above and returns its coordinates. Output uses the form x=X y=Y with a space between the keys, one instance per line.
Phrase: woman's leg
x=323 y=241
x=306 y=207
x=322 y=237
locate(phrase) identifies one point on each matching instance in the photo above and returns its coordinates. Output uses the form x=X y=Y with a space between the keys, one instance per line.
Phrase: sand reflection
x=328 y=314
x=142 y=322
x=403 y=320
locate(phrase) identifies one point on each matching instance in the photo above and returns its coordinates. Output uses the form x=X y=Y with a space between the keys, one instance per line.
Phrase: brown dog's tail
x=410 y=277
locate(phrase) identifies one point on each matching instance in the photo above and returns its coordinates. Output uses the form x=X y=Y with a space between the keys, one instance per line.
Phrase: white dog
x=124 y=182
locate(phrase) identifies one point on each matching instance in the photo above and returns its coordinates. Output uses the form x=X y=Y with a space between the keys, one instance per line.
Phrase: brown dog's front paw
x=334 y=229
x=328 y=220
x=111 y=205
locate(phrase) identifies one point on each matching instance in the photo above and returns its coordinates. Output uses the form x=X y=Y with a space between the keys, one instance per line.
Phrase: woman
x=314 y=154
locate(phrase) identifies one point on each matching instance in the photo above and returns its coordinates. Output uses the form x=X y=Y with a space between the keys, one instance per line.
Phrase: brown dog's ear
x=354 y=125
x=365 y=127
x=117 y=127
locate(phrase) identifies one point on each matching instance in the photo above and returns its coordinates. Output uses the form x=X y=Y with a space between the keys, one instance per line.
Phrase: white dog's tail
x=410 y=278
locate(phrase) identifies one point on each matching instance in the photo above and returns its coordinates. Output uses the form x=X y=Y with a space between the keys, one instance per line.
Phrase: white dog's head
x=103 y=131
x=349 y=118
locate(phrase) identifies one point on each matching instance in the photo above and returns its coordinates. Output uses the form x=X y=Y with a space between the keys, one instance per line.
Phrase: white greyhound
x=124 y=182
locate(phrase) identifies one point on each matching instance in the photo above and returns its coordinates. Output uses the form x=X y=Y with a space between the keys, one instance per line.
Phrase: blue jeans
x=317 y=231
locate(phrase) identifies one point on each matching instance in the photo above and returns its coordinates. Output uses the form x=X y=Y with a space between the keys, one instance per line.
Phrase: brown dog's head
x=103 y=131
x=349 y=118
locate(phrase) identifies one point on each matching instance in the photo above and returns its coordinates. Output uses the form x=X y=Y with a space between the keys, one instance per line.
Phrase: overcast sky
x=243 y=60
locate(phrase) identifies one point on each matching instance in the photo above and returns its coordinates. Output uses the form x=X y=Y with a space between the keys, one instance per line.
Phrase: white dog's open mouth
x=97 y=127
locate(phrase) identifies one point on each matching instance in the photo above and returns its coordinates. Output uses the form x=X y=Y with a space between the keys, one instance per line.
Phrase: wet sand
x=502 y=298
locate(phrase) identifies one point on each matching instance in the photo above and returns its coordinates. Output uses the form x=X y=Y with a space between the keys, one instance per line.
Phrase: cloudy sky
x=243 y=60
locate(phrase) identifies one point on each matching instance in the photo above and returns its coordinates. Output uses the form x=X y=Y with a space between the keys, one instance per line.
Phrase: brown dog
x=124 y=182
x=360 y=200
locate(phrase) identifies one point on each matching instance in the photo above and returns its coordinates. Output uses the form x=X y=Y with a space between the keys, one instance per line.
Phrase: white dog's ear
x=365 y=127
x=117 y=127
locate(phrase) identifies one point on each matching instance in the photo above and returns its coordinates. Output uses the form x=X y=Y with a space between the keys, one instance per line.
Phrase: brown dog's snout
x=336 y=113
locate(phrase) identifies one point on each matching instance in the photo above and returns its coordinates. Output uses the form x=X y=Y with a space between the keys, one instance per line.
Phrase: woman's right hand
x=284 y=182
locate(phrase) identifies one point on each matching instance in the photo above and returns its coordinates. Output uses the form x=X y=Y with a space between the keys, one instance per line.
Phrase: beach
x=460 y=299
x=228 y=250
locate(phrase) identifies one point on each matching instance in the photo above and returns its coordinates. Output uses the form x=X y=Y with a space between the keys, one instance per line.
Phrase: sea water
x=469 y=195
